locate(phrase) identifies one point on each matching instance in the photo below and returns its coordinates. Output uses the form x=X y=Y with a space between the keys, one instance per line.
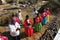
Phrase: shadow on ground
x=22 y=35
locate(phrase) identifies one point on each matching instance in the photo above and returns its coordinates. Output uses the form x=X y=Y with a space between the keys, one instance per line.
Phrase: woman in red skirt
x=28 y=26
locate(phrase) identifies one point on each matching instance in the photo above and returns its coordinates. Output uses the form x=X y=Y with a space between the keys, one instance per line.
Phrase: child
x=28 y=26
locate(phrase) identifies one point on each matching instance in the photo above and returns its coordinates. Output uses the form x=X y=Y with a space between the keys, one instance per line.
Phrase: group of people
x=39 y=19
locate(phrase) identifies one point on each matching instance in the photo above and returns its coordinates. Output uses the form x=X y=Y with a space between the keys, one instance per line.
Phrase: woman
x=44 y=21
x=38 y=25
x=28 y=26
x=47 y=14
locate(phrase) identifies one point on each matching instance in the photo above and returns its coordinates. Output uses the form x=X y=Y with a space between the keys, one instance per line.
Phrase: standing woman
x=38 y=25
x=44 y=21
x=48 y=14
x=28 y=26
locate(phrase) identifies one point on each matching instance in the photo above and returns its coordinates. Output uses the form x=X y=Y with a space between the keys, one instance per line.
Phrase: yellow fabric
x=48 y=18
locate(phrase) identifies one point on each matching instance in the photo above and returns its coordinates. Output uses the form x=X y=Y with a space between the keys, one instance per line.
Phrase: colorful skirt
x=44 y=21
x=47 y=18
x=29 y=31
x=38 y=27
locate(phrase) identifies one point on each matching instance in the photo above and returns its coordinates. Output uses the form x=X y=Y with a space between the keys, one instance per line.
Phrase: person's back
x=15 y=30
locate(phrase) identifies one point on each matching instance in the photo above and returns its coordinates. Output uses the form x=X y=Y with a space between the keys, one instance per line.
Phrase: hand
x=17 y=29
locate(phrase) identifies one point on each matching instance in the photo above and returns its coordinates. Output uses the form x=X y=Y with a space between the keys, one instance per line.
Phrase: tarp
x=57 y=37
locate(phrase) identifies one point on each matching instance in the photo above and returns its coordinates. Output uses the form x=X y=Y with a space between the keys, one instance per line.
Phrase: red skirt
x=29 y=31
